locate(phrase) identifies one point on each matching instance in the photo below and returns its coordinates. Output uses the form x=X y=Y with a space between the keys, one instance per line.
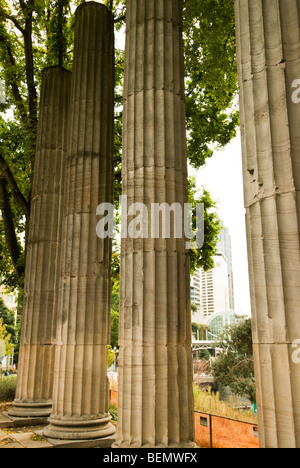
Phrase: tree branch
x=120 y=19
x=32 y=93
x=9 y=228
x=22 y=4
x=13 y=84
x=16 y=192
x=30 y=119
x=13 y=19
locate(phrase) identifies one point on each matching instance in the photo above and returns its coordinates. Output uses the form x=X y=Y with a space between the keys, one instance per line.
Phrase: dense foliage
x=211 y=76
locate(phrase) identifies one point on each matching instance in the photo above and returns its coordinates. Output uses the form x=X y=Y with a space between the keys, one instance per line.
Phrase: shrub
x=113 y=410
x=8 y=388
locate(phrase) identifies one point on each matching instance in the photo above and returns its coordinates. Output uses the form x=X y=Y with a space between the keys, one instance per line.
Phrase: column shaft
x=37 y=345
x=155 y=374
x=268 y=46
x=80 y=401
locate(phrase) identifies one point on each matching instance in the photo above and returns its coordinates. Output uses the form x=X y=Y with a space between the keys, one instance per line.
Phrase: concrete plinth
x=155 y=364
x=6 y=420
x=80 y=398
x=268 y=46
x=37 y=345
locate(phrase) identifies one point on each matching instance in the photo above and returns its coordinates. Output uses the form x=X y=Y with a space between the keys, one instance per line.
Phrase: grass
x=209 y=402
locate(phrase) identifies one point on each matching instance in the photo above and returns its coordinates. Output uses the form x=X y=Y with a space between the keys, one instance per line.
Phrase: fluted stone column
x=155 y=373
x=80 y=399
x=268 y=45
x=37 y=345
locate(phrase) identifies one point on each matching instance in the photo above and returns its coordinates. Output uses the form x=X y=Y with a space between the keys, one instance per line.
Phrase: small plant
x=38 y=438
x=113 y=410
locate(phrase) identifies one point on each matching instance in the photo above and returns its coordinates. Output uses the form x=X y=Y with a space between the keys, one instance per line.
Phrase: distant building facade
x=224 y=246
x=9 y=299
x=214 y=287
x=212 y=292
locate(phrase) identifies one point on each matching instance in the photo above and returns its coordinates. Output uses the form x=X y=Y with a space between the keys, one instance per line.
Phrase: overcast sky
x=222 y=176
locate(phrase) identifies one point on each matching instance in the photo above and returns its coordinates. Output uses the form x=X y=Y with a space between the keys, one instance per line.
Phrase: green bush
x=8 y=388
x=113 y=409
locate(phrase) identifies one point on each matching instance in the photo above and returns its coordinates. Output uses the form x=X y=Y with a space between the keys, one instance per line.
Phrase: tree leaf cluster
x=211 y=76
x=203 y=257
x=5 y=338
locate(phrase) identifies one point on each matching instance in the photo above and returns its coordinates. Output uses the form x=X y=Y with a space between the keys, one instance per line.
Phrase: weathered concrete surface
x=80 y=398
x=32 y=438
x=155 y=373
x=268 y=46
x=6 y=420
x=36 y=356
x=20 y=433
x=22 y=439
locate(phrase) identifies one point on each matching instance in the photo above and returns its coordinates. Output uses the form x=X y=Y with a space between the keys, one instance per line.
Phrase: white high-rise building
x=196 y=289
x=214 y=287
x=212 y=291
x=224 y=246
x=209 y=289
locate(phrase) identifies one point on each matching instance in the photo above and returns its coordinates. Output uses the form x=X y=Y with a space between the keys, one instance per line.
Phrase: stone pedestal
x=80 y=398
x=155 y=373
x=268 y=45
x=37 y=348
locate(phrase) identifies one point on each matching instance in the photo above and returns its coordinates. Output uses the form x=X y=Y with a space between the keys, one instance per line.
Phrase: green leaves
x=203 y=258
x=211 y=76
x=5 y=340
x=59 y=22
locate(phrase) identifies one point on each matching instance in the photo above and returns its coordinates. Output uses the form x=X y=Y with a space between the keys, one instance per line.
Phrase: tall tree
x=211 y=76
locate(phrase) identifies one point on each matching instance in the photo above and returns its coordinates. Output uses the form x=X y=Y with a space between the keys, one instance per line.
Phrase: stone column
x=80 y=398
x=268 y=46
x=155 y=373
x=37 y=346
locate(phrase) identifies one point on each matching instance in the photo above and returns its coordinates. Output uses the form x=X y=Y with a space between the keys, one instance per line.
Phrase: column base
x=79 y=428
x=30 y=409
